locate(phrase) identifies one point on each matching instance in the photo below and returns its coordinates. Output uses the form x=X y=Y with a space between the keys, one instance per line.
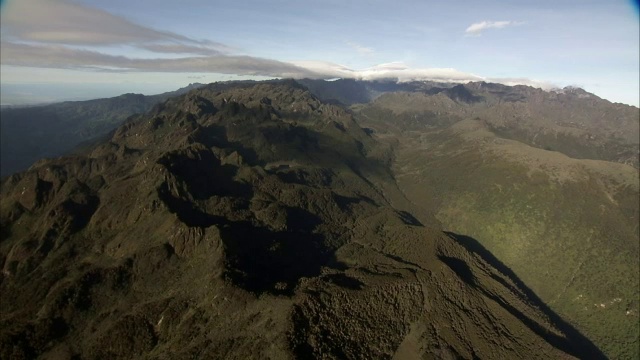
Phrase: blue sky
x=62 y=49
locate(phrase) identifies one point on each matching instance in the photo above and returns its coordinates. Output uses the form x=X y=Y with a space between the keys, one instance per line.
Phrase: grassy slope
x=567 y=227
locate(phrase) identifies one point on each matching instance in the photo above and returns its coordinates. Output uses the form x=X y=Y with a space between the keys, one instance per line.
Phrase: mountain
x=349 y=91
x=28 y=134
x=545 y=181
x=570 y=120
x=250 y=220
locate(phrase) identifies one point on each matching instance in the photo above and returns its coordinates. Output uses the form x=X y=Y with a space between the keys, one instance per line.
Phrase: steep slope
x=567 y=227
x=247 y=221
x=28 y=134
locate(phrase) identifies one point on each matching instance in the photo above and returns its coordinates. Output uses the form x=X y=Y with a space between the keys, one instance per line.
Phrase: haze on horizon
x=54 y=50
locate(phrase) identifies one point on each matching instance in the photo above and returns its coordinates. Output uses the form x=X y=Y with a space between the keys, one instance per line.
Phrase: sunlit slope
x=567 y=227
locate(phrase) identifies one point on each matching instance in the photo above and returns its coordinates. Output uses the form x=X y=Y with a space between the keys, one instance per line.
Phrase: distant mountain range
x=30 y=133
x=343 y=219
x=568 y=120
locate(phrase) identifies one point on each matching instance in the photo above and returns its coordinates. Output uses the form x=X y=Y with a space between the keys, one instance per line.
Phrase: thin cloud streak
x=476 y=29
x=62 y=57
x=180 y=49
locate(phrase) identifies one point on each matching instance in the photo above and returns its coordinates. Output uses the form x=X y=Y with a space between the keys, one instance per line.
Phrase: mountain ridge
x=34 y=132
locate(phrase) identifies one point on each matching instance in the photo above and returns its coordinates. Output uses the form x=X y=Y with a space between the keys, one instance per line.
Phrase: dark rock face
x=246 y=220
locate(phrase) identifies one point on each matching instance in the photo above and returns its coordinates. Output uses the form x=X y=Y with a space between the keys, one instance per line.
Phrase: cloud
x=70 y=23
x=390 y=71
x=61 y=34
x=63 y=57
x=476 y=29
x=545 y=85
x=65 y=35
x=180 y=49
x=362 y=50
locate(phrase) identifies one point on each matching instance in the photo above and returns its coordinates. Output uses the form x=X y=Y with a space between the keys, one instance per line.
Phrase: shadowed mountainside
x=28 y=134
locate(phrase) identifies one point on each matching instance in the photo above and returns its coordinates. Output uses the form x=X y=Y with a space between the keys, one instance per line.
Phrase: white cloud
x=395 y=71
x=476 y=29
x=545 y=85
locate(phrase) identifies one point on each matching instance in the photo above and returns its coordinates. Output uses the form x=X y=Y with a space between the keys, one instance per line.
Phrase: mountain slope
x=568 y=227
x=247 y=220
x=570 y=120
x=28 y=134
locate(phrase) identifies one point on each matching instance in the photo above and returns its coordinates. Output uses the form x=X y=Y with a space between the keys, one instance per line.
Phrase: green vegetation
x=567 y=227
x=570 y=240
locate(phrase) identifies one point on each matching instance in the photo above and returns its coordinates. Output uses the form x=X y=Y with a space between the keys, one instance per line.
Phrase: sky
x=54 y=50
